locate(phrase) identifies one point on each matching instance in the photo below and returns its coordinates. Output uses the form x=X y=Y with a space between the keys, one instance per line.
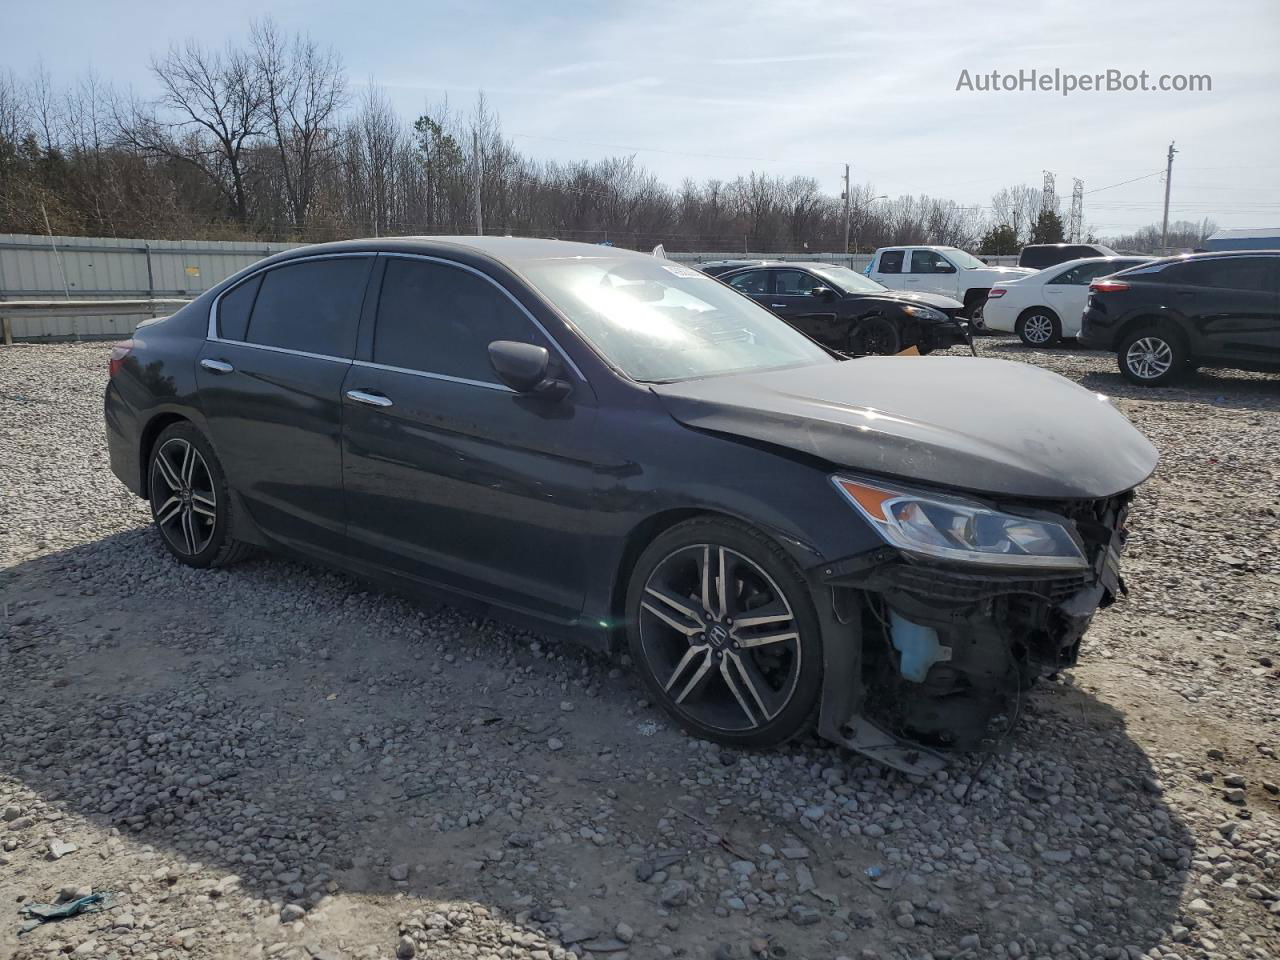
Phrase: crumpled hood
x=978 y=424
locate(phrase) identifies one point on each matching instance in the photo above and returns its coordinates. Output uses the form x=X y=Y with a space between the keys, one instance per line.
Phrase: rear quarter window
x=234 y=308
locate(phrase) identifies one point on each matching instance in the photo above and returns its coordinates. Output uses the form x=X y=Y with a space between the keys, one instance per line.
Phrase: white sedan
x=1046 y=306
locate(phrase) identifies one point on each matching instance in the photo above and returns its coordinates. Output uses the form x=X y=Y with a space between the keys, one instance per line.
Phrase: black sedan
x=849 y=312
x=620 y=448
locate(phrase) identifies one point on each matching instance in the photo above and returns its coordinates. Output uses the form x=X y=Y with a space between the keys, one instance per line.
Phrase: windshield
x=659 y=321
x=847 y=280
x=962 y=259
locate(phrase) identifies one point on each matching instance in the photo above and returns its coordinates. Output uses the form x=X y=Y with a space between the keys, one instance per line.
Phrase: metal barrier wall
x=103 y=268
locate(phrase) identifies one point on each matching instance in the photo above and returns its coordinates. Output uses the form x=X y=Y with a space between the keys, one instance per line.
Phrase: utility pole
x=1168 y=177
x=846 y=209
x=475 y=152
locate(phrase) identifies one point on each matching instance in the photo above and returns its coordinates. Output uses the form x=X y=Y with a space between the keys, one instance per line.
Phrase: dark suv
x=1167 y=317
x=1041 y=255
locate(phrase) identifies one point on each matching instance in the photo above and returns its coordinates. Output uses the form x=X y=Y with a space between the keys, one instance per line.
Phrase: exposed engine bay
x=942 y=657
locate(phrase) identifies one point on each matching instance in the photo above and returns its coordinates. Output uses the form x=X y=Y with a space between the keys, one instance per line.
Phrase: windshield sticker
x=685 y=272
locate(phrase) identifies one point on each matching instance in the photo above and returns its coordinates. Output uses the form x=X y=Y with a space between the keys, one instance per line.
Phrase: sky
x=715 y=89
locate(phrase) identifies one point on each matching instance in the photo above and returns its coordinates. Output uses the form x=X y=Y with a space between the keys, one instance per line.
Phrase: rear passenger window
x=891 y=261
x=441 y=319
x=234 y=307
x=313 y=306
x=793 y=282
x=1230 y=273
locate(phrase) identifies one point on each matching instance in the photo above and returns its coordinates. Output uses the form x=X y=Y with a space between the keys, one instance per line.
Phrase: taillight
x=996 y=293
x=1108 y=286
x=118 y=352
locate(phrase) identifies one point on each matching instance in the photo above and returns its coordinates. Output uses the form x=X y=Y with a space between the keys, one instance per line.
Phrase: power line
x=1145 y=176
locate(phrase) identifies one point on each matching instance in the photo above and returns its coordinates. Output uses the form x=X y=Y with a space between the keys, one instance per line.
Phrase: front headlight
x=923 y=313
x=955 y=529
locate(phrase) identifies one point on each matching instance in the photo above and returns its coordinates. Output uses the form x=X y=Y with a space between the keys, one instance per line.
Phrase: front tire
x=876 y=336
x=190 y=501
x=1038 y=327
x=1153 y=356
x=721 y=626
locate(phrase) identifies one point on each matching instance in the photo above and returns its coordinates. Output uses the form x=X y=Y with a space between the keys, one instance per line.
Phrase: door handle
x=216 y=366
x=777 y=305
x=371 y=399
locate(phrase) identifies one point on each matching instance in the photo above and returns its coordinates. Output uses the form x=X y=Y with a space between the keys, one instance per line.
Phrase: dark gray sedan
x=620 y=448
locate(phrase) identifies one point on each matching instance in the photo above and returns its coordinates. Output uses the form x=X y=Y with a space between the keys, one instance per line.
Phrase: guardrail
x=85 y=308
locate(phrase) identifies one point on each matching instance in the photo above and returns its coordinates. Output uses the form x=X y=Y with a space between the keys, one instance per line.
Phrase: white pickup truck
x=947 y=271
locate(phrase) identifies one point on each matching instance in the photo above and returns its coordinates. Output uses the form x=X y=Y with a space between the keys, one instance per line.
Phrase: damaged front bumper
x=924 y=657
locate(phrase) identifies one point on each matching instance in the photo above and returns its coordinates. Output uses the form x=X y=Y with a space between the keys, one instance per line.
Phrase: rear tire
x=1153 y=356
x=1038 y=327
x=741 y=666
x=190 y=501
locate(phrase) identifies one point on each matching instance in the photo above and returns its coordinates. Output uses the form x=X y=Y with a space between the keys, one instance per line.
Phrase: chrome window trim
x=400 y=255
x=369 y=364
x=212 y=332
x=268 y=347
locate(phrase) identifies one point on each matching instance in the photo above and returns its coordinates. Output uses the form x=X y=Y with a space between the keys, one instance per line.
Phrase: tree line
x=266 y=139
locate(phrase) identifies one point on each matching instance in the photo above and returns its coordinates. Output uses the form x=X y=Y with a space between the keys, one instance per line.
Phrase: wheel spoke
x=703 y=669
x=204 y=508
x=727 y=672
x=189 y=530
x=166 y=472
x=674 y=612
x=747 y=680
x=188 y=464
x=722 y=584
x=758 y=618
x=706 y=580
x=168 y=510
x=764 y=639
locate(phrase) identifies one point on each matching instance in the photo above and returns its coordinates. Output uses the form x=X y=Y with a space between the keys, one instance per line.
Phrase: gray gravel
x=273 y=761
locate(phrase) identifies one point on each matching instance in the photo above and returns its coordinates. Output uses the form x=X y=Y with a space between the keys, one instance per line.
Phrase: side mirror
x=526 y=368
x=823 y=293
x=944 y=268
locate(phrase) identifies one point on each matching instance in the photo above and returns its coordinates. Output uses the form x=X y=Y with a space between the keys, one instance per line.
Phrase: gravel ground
x=273 y=761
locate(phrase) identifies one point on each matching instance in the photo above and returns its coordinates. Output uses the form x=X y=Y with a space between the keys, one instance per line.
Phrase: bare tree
x=43 y=109
x=303 y=89
x=211 y=109
x=13 y=109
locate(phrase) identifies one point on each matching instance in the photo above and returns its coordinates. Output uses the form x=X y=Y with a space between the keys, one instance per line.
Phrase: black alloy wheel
x=724 y=633
x=877 y=336
x=189 y=500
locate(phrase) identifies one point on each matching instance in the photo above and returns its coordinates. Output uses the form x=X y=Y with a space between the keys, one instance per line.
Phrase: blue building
x=1261 y=238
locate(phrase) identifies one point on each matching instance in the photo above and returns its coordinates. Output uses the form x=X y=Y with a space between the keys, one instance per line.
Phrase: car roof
x=513 y=251
x=1119 y=256
x=917 y=246
x=1054 y=246
x=774 y=264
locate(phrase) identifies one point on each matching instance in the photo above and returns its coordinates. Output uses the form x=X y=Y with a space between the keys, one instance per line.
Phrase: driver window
x=929 y=261
x=751 y=282
x=793 y=283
